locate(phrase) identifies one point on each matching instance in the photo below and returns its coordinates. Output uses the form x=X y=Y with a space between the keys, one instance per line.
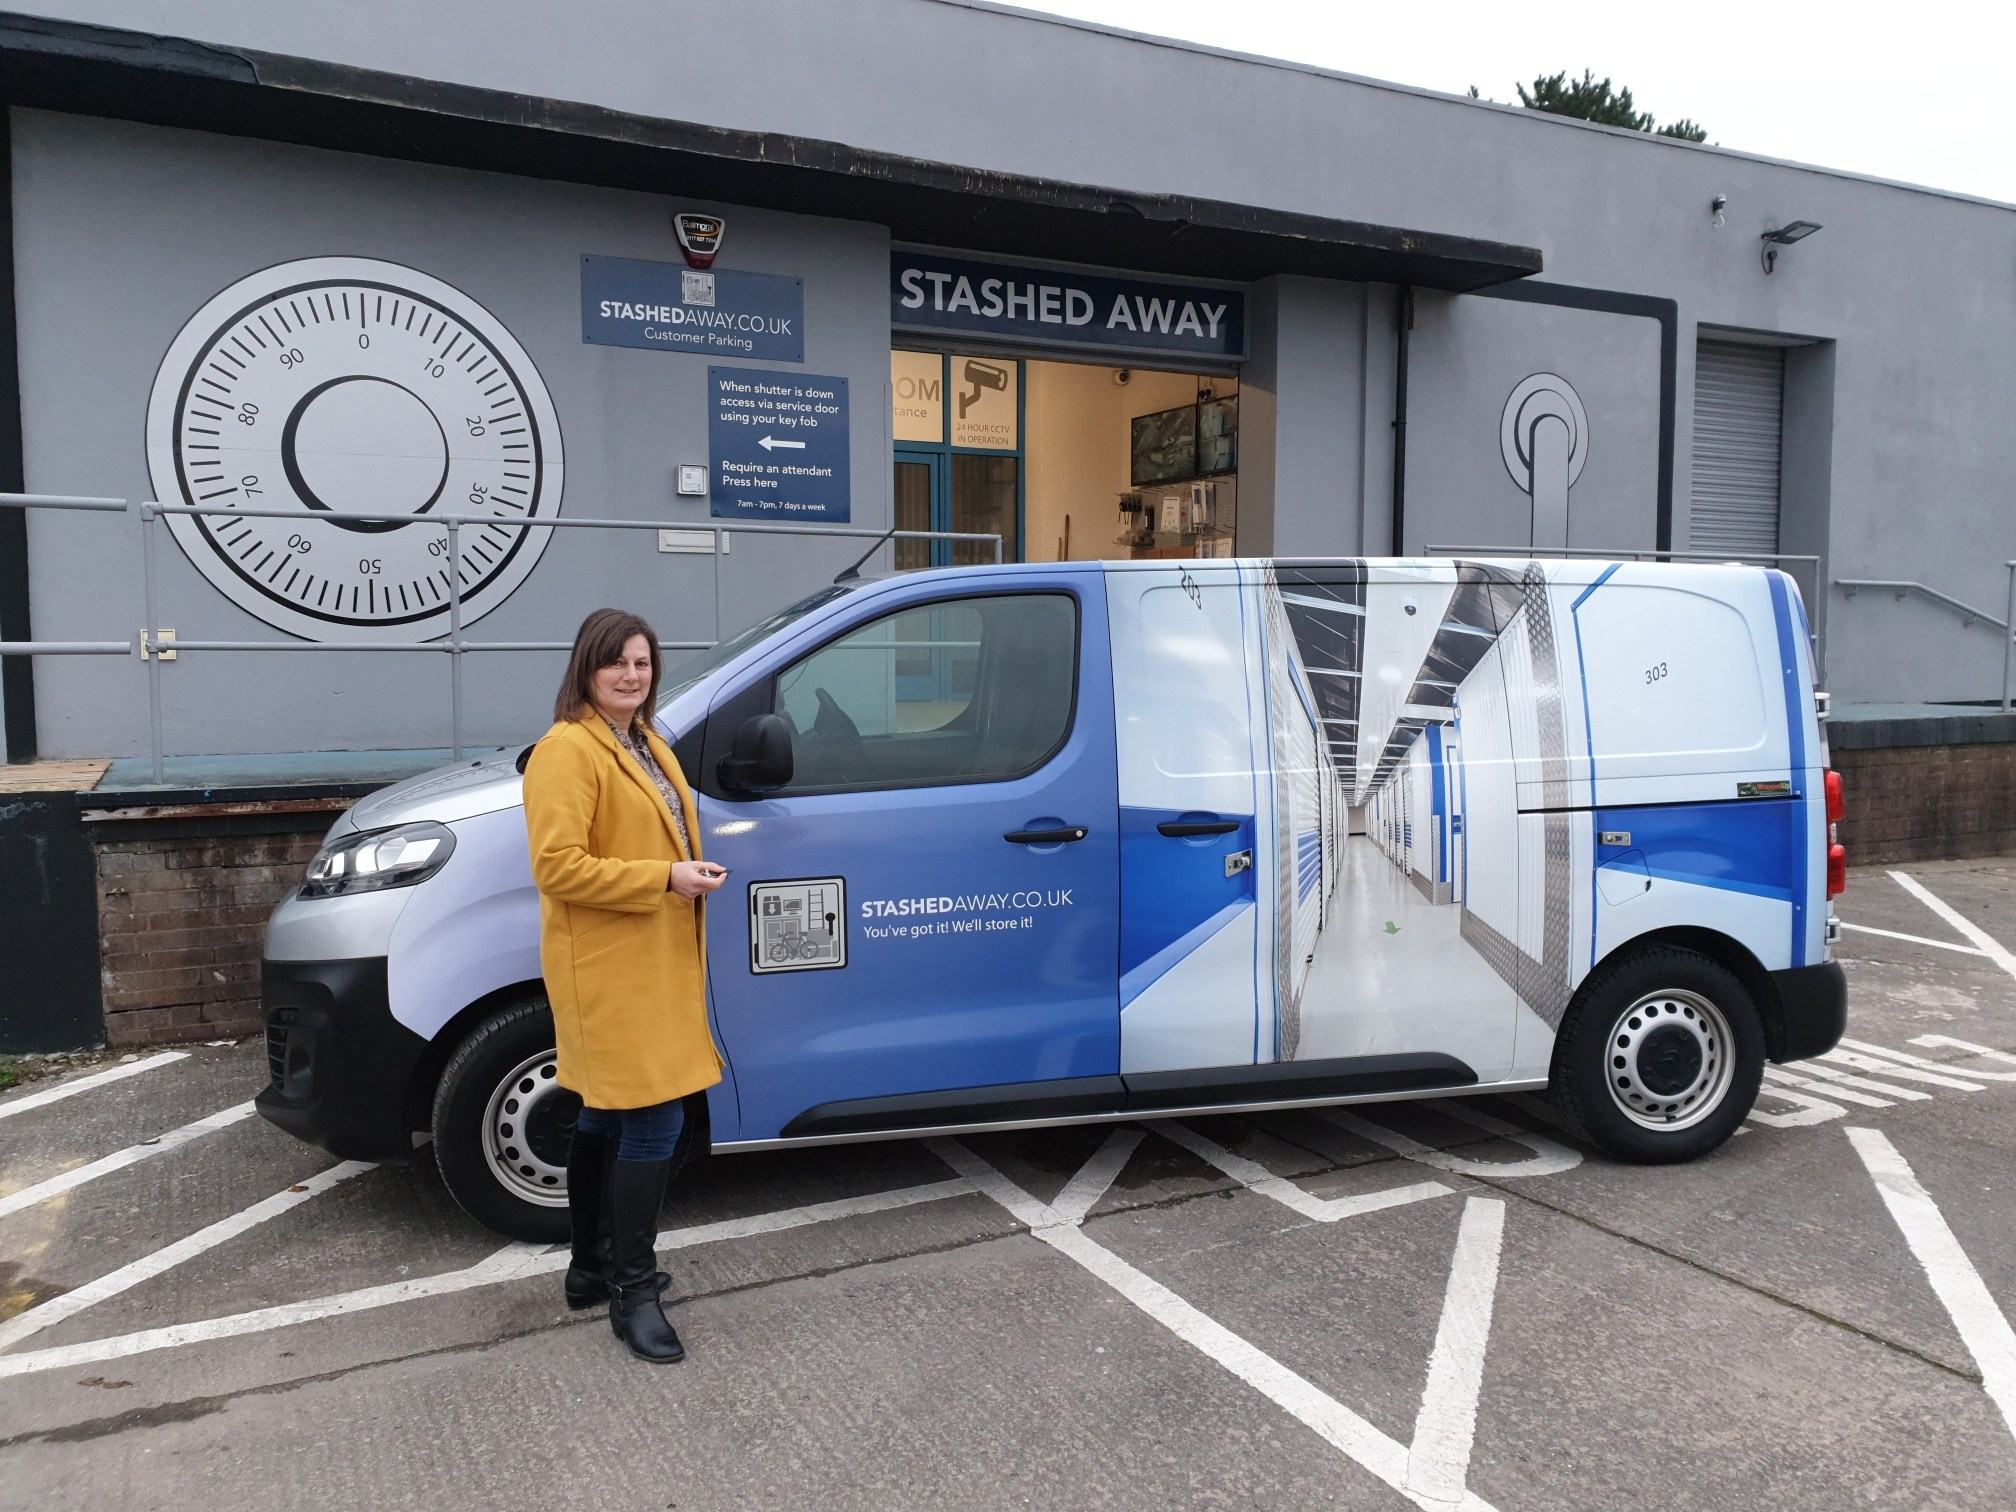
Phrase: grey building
x=757 y=284
x=1100 y=294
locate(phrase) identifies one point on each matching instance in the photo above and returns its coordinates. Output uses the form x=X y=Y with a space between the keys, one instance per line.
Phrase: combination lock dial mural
x=339 y=387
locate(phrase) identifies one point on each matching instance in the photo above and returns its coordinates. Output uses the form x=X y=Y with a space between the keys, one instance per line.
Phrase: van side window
x=965 y=690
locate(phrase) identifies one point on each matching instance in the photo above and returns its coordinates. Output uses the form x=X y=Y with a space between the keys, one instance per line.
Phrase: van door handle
x=1045 y=836
x=1179 y=829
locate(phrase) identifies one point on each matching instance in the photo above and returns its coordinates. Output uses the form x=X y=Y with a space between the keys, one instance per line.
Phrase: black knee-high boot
x=587 y=1283
x=636 y=1193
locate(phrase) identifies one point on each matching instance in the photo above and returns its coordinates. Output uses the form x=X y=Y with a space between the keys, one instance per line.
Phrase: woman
x=616 y=856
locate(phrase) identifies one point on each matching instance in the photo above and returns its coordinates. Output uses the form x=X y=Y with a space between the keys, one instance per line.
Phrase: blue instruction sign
x=663 y=307
x=778 y=441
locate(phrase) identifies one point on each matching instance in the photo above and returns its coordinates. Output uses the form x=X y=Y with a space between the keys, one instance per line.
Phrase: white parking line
x=133 y=1154
x=56 y=1309
x=513 y=1262
x=1891 y=934
x=1987 y=944
x=1445 y=1430
x=86 y=1083
x=1385 y=1457
x=1550 y=1157
x=1959 y=1287
x=1257 y=1178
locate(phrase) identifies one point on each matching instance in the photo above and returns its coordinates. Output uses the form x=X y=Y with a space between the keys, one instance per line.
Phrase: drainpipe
x=1404 y=320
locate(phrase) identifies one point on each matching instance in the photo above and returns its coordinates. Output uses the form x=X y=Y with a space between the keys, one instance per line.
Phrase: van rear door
x=929 y=908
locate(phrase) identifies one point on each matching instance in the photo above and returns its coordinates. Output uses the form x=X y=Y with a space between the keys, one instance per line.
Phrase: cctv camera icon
x=982 y=376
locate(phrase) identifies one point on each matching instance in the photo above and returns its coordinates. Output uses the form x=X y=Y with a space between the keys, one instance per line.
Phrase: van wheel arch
x=426 y=1079
x=1733 y=956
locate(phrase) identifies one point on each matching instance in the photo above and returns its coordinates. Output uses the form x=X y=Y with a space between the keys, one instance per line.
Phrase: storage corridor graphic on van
x=1529 y=782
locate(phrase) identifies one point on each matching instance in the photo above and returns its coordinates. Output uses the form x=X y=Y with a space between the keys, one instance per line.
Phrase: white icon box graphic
x=799 y=925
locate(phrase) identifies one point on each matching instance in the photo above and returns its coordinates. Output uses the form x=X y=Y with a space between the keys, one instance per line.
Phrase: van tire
x=515 y=1039
x=1659 y=1057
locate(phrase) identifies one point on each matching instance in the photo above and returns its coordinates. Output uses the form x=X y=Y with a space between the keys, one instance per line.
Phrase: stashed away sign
x=1063 y=307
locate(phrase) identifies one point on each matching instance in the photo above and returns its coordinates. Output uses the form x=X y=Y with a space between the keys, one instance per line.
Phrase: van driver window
x=965 y=690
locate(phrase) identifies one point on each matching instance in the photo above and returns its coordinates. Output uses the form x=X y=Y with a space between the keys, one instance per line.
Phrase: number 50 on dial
x=359 y=398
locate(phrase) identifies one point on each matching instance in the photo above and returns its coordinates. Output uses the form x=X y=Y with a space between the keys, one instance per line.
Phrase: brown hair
x=599 y=643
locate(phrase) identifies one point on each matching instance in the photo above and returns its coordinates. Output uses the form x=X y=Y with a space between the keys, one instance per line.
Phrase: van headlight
x=378 y=859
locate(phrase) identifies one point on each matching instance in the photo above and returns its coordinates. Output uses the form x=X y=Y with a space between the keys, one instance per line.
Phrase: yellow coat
x=625 y=960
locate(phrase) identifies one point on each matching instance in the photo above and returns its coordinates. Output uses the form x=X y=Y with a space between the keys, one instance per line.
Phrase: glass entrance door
x=920 y=496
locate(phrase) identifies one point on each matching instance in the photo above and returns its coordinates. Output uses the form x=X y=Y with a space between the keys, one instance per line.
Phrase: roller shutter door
x=1739 y=404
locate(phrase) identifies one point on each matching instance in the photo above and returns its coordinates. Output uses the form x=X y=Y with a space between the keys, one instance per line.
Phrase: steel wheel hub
x=1670 y=1060
x=526 y=1130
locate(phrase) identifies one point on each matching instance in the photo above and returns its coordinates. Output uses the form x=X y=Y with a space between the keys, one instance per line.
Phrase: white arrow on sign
x=770 y=443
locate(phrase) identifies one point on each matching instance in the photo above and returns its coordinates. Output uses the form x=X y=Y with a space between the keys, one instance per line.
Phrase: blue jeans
x=641 y=1133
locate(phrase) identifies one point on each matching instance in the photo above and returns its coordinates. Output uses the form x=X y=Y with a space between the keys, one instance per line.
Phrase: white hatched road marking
x=1897 y=1069
x=1258 y=1178
x=56 y=1309
x=1550 y=1157
x=1955 y=1281
x=1946 y=1041
x=85 y=1083
x=1891 y=934
x=1788 y=1079
x=147 y=1149
x=1433 y=1471
x=511 y=1263
x=1842 y=1078
x=1986 y=943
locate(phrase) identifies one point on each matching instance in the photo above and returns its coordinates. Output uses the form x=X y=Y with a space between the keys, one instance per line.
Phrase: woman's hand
x=695 y=879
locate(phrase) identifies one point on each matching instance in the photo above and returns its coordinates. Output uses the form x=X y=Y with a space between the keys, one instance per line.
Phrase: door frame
x=944 y=451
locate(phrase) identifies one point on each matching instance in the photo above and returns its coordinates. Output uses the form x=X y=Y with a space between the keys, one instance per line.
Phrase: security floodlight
x=1784 y=236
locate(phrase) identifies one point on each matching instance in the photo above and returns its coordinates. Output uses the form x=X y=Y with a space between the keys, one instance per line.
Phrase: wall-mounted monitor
x=1217 y=436
x=1164 y=448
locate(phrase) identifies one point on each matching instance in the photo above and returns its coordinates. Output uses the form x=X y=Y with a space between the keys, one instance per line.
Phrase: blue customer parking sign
x=778 y=444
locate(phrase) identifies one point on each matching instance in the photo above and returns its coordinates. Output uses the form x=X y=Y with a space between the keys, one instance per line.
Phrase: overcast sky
x=1917 y=92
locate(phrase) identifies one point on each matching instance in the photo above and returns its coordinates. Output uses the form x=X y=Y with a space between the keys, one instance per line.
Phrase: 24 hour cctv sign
x=1016 y=302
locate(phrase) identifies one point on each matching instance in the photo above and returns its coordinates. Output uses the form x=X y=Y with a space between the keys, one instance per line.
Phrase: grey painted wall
x=1468 y=356
x=1916 y=290
x=96 y=204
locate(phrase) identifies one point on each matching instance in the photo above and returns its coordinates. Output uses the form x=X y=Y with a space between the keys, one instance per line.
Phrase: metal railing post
x=718 y=539
x=150 y=644
x=455 y=633
x=2008 y=633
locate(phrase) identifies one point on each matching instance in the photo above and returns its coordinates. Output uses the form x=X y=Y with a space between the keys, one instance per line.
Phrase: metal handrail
x=149 y=646
x=1905 y=587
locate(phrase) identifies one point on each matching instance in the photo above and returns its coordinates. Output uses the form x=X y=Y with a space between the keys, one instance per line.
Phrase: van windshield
x=703 y=662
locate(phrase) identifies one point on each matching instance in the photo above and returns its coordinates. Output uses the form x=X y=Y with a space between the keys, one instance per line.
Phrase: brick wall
x=181 y=925
x=1927 y=802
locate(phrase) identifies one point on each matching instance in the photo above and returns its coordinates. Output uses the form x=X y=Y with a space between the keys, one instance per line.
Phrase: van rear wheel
x=1660 y=1056
x=502 y=1125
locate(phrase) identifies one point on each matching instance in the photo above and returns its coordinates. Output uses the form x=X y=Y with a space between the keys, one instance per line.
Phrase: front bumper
x=1812 y=1011
x=341 y=1065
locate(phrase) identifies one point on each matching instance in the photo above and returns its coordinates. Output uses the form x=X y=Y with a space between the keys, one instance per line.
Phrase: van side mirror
x=759 y=761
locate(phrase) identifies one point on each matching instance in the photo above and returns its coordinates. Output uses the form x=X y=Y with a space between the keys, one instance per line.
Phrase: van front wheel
x=1660 y=1056
x=502 y=1125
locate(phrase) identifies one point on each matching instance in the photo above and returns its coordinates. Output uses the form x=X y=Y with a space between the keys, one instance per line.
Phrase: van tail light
x=1837 y=853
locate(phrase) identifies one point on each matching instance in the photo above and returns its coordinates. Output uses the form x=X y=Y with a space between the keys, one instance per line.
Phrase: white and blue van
x=1060 y=843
